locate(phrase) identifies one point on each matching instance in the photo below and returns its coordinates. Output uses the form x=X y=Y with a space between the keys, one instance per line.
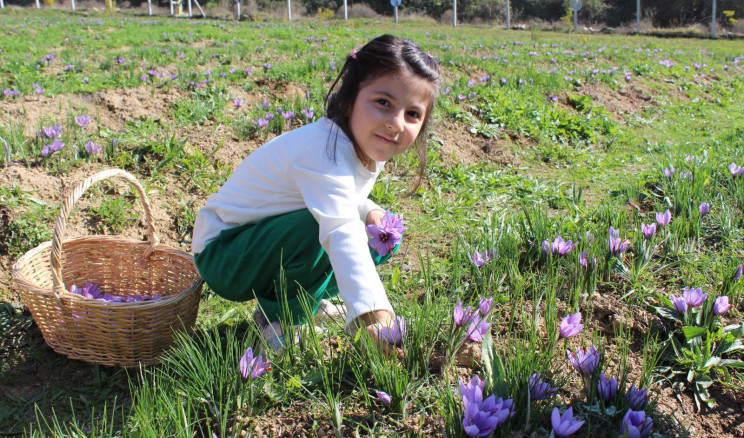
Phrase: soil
x=115 y=108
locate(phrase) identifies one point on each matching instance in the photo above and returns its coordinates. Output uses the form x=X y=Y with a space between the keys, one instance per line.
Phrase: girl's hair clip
x=353 y=53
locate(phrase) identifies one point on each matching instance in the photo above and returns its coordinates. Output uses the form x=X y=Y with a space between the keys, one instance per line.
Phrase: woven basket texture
x=126 y=334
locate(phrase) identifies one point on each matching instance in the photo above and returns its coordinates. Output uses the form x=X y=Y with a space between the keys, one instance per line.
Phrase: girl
x=291 y=218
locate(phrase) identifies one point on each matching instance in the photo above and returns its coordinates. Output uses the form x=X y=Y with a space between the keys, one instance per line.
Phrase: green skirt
x=272 y=260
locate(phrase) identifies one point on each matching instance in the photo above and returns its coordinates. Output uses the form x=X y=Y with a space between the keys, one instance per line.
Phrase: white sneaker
x=273 y=334
x=328 y=312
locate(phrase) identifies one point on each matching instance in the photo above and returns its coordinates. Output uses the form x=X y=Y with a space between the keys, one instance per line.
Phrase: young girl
x=297 y=207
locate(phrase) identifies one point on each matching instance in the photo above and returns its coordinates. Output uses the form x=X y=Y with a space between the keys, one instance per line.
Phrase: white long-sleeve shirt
x=296 y=171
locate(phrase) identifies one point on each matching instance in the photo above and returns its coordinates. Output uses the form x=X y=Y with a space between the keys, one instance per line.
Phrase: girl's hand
x=374 y=217
x=372 y=322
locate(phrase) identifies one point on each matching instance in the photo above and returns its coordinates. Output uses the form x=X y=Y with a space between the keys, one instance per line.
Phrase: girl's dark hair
x=386 y=54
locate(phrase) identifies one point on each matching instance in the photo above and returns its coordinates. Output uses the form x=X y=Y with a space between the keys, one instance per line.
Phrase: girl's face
x=387 y=116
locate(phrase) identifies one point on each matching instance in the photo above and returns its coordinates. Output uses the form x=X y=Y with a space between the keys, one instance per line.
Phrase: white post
x=713 y=21
x=346 y=11
x=200 y=8
x=638 y=16
x=396 y=15
x=289 y=10
x=72 y=4
x=189 y=8
x=508 y=15
x=171 y=4
x=2 y=4
x=454 y=13
x=149 y=6
x=238 y=5
x=38 y=6
x=576 y=20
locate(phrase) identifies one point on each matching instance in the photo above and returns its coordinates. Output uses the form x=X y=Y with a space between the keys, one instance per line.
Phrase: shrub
x=359 y=10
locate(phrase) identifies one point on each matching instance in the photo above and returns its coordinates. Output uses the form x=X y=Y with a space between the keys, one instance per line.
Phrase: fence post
x=289 y=10
x=713 y=21
x=454 y=13
x=346 y=11
x=638 y=16
x=508 y=15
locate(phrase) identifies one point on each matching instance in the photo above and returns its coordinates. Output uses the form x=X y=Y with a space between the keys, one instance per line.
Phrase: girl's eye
x=383 y=102
x=414 y=114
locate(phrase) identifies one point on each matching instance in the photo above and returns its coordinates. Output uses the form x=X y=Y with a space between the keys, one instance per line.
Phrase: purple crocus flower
x=617 y=245
x=51 y=131
x=663 y=219
x=607 y=388
x=636 y=424
x=636 y=398
x=309 y=114
x=82 y=120
x=679 y=304
x=485 y=306
x=739 y=272
x=91 y=148
x=586 y=262
x=648 y=231
x=482 y=416
x=704 y=209
x=388 y=234
x=287 y=115
x=540 y=390
x=561 y=247
x=735 y=170
x=393 y=335
x=721 y=305
x=584 y=360
x=384 y=397
x=261 y=122
x=238 y=102
x=253 y=367
x=571 y=325
x=462 y=316
x=693 y=297
x=85 y=80
x=564 y=425
x=479 y=259
x=477 y=330
x=546 y=249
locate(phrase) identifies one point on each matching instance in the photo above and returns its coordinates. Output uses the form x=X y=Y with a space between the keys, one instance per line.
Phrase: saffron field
x=571 y=266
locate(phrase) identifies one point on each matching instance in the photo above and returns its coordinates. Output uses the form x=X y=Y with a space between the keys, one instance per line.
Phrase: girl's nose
x=396 y=121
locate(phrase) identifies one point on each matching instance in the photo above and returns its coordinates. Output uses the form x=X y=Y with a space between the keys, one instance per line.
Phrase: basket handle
x=61 y=223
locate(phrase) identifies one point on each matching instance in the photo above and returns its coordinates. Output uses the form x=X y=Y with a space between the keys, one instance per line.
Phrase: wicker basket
x=98 y=331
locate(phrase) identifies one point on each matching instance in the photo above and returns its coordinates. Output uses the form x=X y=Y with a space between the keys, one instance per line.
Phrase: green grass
x=578 y=170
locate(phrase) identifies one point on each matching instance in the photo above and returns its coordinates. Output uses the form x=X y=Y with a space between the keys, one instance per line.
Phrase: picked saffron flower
x=607 y=389
x=238 y=102
x=253 y=367
x=564 y=425
x=636 y=398
x=477 y=330
x=636 y=424
x=648 y=231
x=704 y=209
x=540 y=390
x=485 y=306
x=82 y=120
x=571 y=325
x=462 y=316
x=388 y=234
x=663 y=219
x=584 y=360
x=721 y=305
x=679 y=304
x=384 y=397
x=693 y=297
x=393 y=335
